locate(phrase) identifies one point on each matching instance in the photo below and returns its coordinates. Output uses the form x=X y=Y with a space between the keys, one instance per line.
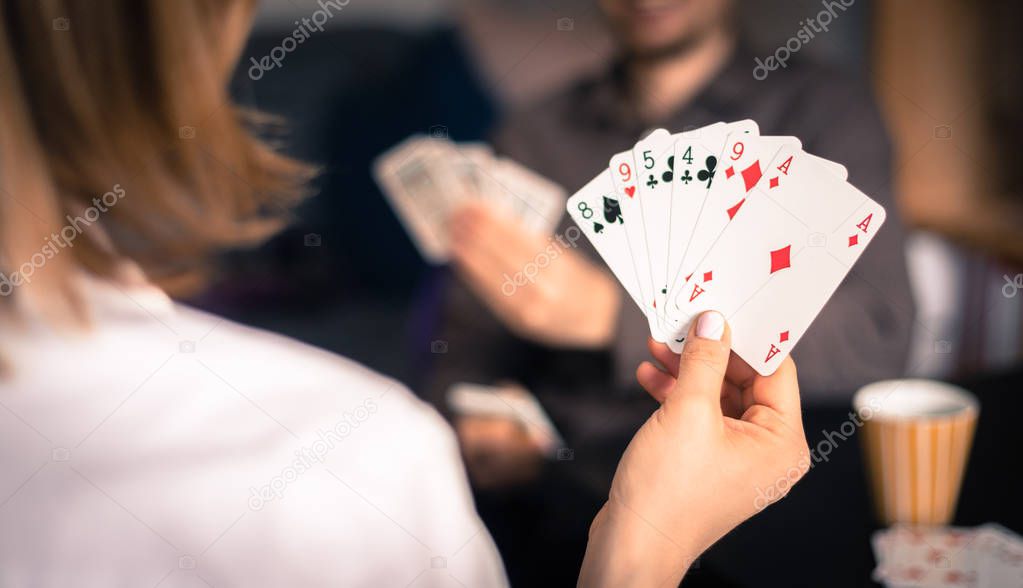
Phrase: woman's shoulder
x=317 y=450
x=294 y=373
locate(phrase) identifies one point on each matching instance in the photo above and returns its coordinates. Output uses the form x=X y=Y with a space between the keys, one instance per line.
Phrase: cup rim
x=950 y=393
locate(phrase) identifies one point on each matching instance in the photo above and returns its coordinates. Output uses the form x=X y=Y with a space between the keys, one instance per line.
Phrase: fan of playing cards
x=988 y=556
x=426 y=178
x=722 y=218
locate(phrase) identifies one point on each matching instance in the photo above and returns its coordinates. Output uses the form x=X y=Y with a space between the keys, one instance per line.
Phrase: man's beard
x=672 y=50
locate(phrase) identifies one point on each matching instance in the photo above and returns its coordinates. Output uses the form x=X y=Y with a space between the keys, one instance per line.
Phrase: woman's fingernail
x=711 y=325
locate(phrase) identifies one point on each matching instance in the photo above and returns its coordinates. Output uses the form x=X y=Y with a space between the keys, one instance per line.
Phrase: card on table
x=1000 y=560
x=917 y=557
x=776 y=265
x=509 y=402
x=989 y=556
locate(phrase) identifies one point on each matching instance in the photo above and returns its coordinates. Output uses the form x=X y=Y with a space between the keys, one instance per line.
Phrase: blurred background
x=948 y=80
x=346 y=276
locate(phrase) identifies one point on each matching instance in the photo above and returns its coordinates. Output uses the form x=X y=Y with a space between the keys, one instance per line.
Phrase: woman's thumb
x=704 y=360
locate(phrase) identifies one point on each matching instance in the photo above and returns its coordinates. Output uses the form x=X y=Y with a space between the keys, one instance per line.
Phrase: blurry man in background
x=680 y=65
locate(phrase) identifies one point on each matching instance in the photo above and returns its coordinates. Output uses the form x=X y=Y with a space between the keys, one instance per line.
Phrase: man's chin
x=647 y=50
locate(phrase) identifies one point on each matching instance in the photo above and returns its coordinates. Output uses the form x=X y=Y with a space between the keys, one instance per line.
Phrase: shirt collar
x=127 y=295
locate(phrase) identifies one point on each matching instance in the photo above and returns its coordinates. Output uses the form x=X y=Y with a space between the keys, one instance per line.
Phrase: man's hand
x=724 y=443
x=559 y=299
x=498 y=452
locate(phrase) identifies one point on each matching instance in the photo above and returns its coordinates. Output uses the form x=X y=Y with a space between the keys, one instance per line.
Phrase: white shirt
x=167 y=447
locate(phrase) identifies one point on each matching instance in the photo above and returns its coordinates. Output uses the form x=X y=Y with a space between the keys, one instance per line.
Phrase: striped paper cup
x=916 y=436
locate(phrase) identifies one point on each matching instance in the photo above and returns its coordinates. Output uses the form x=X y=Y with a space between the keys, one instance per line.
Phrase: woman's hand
x=723 y=439
x=540 y=288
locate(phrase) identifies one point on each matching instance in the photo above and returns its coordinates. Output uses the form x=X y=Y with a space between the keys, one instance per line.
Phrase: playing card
x=422 y=190
x=1000 y=560
x=922 y=557
x=672 y=201
x=776 y=265
x=655 y=160
x=471 y=165
x=696 y=157
x=727 y=201
x=597 y=211
x=739 y=169
x=536 y=201
x=625 y=178
x=506 y=402
x=696 y=165
x=480 y=153
x=836 y=169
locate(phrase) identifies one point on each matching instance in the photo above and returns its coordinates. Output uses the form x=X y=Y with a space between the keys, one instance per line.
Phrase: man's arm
x=521 y=140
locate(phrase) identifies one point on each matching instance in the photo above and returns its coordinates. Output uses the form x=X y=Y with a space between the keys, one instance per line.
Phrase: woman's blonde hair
x=118 y=110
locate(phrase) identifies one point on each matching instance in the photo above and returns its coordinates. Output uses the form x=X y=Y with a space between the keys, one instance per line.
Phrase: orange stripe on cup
x=916 y=439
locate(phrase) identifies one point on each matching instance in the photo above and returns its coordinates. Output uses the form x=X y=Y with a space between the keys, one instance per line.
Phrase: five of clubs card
x=722 y=218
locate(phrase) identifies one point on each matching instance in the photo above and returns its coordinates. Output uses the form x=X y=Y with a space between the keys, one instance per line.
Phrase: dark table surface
x=820 y=534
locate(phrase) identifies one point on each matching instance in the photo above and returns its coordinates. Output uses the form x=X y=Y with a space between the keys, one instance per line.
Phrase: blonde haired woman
x=145 y=443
